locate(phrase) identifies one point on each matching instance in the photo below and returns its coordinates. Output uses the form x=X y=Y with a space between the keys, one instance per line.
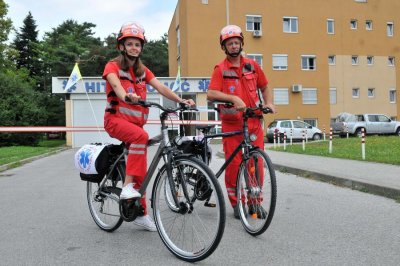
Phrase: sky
x=108 y=15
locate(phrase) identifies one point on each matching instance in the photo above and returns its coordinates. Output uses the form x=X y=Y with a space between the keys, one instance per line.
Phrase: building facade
x=322 y=57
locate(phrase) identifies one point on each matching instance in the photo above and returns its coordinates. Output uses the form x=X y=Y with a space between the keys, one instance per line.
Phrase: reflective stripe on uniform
x=131 y=112
x=229 y=111
x=229 y=74
x=137 y=148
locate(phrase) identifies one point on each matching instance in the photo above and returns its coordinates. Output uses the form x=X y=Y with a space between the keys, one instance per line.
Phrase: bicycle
x=257 y=185
x=190 y=229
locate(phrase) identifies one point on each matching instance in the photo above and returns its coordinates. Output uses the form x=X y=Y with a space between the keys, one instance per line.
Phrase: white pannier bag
x=92 y=159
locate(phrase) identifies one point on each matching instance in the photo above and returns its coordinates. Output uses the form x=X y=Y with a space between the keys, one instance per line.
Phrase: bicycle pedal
x=211 y=205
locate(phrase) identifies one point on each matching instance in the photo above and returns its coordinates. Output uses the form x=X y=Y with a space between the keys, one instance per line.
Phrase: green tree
x=20 y=106
x=155 y=56
x=25 y=43
x=5 y=28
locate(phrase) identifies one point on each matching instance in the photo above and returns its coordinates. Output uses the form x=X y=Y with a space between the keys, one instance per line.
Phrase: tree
x=5 y=28
x=155 y=56
x=25 y=43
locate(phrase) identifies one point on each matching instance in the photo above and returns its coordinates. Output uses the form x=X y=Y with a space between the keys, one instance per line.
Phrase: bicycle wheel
x=104 y=203
x=256 y=192
x=190 y=230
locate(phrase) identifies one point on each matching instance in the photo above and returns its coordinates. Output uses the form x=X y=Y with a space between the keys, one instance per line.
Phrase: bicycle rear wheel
x=256 y=192
x=190 y=230
x=104 y=203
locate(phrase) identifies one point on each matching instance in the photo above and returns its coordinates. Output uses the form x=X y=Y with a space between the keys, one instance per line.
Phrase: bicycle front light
x=253 y=137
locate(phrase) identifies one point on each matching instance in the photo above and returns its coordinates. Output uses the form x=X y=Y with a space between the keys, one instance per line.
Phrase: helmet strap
x=234 y=54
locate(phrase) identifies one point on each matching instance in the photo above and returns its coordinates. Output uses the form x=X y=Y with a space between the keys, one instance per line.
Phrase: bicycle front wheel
x=256 y=192
x=104 y=202
x=193 y=228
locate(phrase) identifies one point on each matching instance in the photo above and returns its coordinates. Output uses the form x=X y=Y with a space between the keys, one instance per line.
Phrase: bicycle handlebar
x=181 y=107
x=248 y=111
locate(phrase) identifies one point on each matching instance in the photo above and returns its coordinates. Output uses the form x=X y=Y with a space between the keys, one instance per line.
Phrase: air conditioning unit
x=257 y=33
x=296 y=88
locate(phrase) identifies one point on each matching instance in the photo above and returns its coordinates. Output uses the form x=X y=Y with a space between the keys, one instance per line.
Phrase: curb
x=343 y=182
x=28 y=160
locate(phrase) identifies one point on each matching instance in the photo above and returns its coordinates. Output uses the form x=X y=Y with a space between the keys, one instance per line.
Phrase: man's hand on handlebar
x=132 y=98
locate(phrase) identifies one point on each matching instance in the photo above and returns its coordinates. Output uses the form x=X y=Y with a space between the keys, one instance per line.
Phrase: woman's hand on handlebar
x=271 y=107
x=188 y=102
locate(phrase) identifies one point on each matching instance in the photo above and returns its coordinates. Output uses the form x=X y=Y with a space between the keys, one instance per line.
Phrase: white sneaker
x=128 y=192
x=146 y=222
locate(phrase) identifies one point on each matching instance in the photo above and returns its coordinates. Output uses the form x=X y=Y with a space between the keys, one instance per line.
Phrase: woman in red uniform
x=126 y=77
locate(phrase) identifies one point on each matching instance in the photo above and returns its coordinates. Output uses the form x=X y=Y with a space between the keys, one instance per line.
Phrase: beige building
x=322 y=57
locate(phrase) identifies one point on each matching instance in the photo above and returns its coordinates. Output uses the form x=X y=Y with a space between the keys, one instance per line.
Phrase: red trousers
x=136 y=138
x=230 y=144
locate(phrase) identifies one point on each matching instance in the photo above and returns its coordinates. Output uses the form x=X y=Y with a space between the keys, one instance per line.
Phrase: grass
x=16 y=153
x=381 y=149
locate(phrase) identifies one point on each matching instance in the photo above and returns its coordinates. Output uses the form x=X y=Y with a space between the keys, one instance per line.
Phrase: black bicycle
x=188 y=225
x=256 y=180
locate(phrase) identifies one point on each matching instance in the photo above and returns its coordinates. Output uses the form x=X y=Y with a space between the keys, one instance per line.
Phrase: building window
x=281 y=96
x=290 y=24
x=256 y=57
x=204 y=2
x=310 y=96
x=353 y=24
x=330 y=25
x=368 y=24
x=370 y=60
x=390 y=61
x=308 y=62
x=279 y=62
x=355 y=92
x=392 y=96
x=332 y=96
x=361 y=1
x=332 y=60
x=354 y=60
x=371 y=92
x=389 y=29
x=253 y=23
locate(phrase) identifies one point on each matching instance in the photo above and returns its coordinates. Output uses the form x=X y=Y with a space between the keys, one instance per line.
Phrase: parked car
x=294 y=127
x=371 y=123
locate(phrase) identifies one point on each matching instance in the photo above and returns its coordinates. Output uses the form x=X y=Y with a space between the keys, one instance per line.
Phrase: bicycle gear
x=129 y=209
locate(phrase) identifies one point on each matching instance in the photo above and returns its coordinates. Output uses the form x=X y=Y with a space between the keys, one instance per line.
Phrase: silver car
x=294 y=129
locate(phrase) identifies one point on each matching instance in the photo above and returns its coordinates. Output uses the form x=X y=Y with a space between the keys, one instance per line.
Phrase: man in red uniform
x=236 y=80
x=126 y=78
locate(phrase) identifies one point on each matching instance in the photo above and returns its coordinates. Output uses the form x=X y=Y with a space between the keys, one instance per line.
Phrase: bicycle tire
x=104 y=206
x=257 y=204
x=190 y=236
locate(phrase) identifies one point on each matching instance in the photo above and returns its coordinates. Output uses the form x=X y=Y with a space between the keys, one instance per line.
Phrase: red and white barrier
x=363 y=143
x=304 y=140
x=330 y=140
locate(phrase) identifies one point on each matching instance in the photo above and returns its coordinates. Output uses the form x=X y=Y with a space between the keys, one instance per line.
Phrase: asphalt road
x=44 y=220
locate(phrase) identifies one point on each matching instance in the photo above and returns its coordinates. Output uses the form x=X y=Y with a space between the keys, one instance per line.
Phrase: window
x=330 y=25
x=368 y=24
x=353 y=24
x=389 y=29
x=204 y=2
x=332 y=60
x=310 y=121
x=390 y=61
x=279 y=62
x=310 y=96
x=354 y=60
x=256 y=57
x=281 y=96
x=355 y=92
x=392 y=96
x=308 y=62
x=332 y=96
x=290 y=24
x=361 y=1
x=370 y=60
x=253 y=22
x=371 y=92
